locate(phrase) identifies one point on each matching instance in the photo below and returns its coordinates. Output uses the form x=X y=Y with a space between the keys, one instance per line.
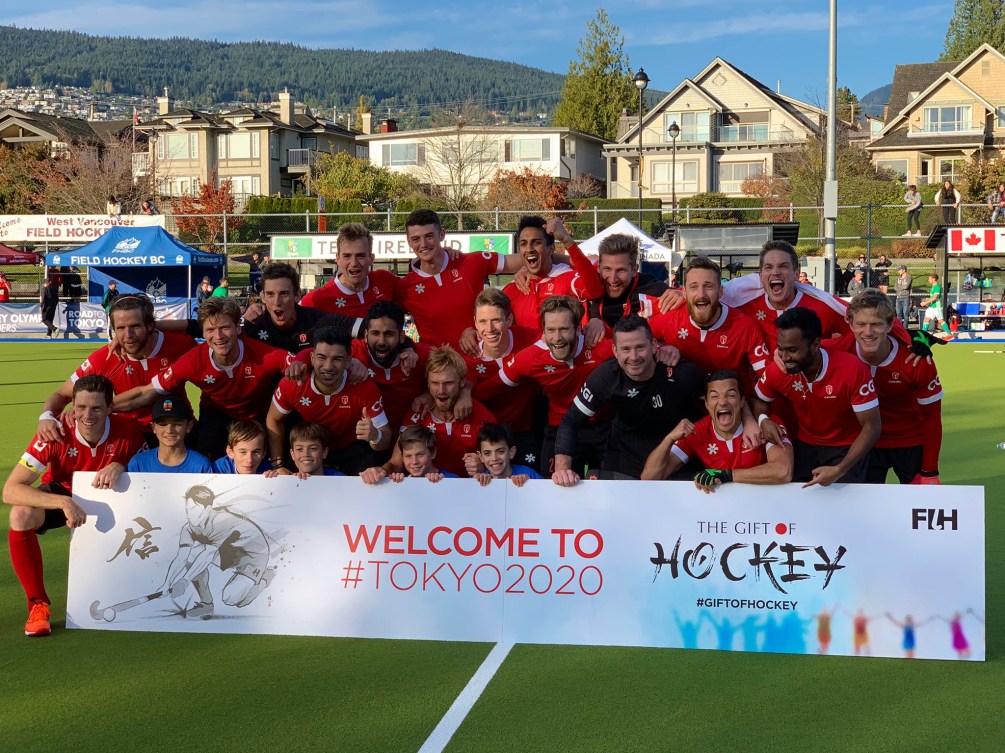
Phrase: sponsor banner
x=73 y=319
x=386 y=246
x=976 y=240
x=67 y=228
x=879 y=571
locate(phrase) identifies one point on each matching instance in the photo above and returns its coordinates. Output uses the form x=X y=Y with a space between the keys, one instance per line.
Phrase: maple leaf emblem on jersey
x=480 y=368
x=549 y=368
x=209 y=379
x=305 y=401
x=682 y=333
x=712 y=449
x=633 y=392
x=263 y=335
x=340 y=303
x=420 y=288
x=72 y=452
x=761 y=316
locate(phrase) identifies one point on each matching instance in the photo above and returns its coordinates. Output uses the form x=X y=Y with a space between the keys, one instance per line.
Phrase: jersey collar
x=890 y=356
x=240 y=357
x=158 y=343
x=346 y=291
x=414 y=264
x=509 y=348
x=104 y=437
x=723 y=313
x=341 y=386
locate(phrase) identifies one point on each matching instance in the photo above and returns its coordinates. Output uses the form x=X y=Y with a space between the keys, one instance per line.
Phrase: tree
x=599 y=84
x=342 y=177
x=975 y=22
x=847 y=105
x=21 y=192
x=516 y=190
x=201 y=217
x=773 y=192
x=454 y=166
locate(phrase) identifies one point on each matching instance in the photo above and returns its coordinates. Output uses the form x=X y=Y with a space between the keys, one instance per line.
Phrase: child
x=496 y=452
x=171 y=421
x=418 y=450
x=309 y=448
x=245 y=449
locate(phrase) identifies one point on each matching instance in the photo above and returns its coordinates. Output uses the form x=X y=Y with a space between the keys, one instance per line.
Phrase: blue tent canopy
x=142 y=260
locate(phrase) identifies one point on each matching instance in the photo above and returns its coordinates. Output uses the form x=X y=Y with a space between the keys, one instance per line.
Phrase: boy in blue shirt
x=245 y=449
x=171 y=422
x=418 y=450
x=496 y=452
x=309 y=448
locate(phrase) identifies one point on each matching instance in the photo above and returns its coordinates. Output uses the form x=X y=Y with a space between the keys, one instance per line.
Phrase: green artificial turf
x=84 y=690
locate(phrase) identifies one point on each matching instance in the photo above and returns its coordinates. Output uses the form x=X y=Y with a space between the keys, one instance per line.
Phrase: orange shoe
x=38 y=620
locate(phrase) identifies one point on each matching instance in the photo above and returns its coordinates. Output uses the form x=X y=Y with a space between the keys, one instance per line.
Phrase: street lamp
x=641 y=82
x=673 y=132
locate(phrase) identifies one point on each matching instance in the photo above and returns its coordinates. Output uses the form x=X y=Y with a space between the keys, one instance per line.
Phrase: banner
x=386 y=246
x=67 y=228
x=881 y=571
x=80 y=320
x=976 y=240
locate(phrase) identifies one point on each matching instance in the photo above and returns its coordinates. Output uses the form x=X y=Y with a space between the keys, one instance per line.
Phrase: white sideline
x=464 y=702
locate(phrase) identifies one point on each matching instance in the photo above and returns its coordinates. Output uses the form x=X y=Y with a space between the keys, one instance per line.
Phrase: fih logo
x=933 y=519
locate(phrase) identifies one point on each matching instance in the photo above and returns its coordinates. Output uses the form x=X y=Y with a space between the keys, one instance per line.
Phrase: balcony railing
x=753 y=133
x=301 y=160
x=141 y=164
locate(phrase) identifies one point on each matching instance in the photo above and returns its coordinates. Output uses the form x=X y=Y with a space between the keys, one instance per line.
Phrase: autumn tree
x=525 y=190
x=201 y=217
x=21 y=192
x=773 y=191
x=975 y=22
x=599 y=84
x=455 y=163
x=342 y=177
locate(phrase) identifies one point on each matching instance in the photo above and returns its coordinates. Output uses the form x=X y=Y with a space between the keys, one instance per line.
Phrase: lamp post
x=673 y=132
x=641 y=82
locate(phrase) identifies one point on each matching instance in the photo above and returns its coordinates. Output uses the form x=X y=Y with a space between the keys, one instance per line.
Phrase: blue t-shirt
x=147 y=462
x=226 y=465
x=523 y=470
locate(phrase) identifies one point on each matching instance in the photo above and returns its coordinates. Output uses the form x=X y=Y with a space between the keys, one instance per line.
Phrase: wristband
x=47 y=416
x=380 y=436
x=276 y=463
x=930 y=474
x=762 y=418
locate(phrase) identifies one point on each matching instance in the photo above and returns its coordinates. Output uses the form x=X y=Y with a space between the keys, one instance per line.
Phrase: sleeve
x=174 y=376
x=757 y=349
x=513 y=370
x=683 y=449
x=346 y=326
x=863 y=395
x=283 y=397
x=931 y=426
x=596 y=391
x=89 y=366
x=767 y=388
x=660 y=325
x=374 y=404
x=38 y=455
x=484 y=264
x=278 y=360
x=928 y=387
x=134 y=465
x=587 y=284
x=573 y=422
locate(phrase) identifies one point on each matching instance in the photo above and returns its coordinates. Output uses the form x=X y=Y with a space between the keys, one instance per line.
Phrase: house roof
x=56 y=128
x=915 y=77
x=253 y=117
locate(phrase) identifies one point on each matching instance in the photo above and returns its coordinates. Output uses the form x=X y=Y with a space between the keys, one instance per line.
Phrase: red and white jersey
x=733 y=341
x=397 y=389
x=242 y=390
x=825 y=408
x=443 y=304
x=454 y=438
x=712 y=451
x=337 y=412
x=559 y=380
x=901 y=387
x=127 y=372
x=562 y=280
x=336 y=298
x=764 y=315
x=121 y=439
x=514 y=407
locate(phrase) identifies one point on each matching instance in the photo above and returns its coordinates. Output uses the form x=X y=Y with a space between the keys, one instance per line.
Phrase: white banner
x=882 y=571
x=67 y=228
x=386 y=246
x=73 y=319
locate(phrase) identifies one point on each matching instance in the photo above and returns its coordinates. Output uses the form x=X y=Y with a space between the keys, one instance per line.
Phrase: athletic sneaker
x=203 y=610
x=38 y=620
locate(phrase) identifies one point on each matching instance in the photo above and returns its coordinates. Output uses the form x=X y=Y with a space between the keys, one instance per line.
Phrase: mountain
x=412 y=84
x=874 y=102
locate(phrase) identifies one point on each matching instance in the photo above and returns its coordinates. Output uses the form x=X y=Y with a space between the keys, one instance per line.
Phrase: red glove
x=927 y=478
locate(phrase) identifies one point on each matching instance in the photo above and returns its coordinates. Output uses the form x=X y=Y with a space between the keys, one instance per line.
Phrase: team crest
x=455 y=273
x=830 y=390
x=722 y=339
x=345 y=400
x=164 y=362
x=467 y=428
x=247 y=371
x=669 y=371
x=303 y=337
x=589 y=355
x=376 y=292
x=895 y=376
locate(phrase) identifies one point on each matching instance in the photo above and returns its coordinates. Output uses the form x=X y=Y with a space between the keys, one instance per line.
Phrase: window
x=273 y=146
x=746 y=132
x=1001 y=116
x=985 y=67
x=949 y=169
x=528 y=150
x=732 y=174
x=947 y=119
x=178 y=146
x=403 y=155
x=245 y=185
x=178 y=186
x=693 y=125
x=237 y=146
x=896 y=166
x=686 y=182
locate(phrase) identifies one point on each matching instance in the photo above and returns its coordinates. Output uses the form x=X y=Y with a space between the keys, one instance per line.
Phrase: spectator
x=804 y=278
x=996 y=203
x=148 y=207
x=204 y=291
x=913 y=209
x=883 y=273
x=255 y=273
x=902 y=288
x=111 y=293
x=73 y=285
x=221 y=290
x=846 y=277
x=112 y=207
x=857 y=284
x=50 y=304
x=949 y=199
x=4 y=288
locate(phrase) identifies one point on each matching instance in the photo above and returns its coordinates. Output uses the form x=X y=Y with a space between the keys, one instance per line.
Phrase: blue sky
x=672 y=39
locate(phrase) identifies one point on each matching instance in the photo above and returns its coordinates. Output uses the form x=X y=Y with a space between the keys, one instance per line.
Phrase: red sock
x=26 y=556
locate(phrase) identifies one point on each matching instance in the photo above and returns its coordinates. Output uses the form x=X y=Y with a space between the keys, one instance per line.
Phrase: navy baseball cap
x=171 y=407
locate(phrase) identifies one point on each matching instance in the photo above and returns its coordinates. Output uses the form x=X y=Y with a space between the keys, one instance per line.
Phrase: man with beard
x=626 y=290
x=358 y=285
x=709 y=333
x=235 y=374
x=145 y=352
x=716 y=441
x=647 y=397
x=353 y=414
x=833 y=397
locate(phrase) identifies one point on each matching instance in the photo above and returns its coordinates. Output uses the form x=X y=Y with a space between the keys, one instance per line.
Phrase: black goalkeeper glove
x=922 y=342
x=709 y=476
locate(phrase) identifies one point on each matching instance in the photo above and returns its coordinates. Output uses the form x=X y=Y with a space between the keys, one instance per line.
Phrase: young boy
x=171 y=422
x=309 y=448
x=496 y=451
x=418 y=450
x=245 y=449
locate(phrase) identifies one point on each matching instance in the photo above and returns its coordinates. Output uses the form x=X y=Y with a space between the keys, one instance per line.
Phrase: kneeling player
x=496 y=451
x=417 y=445
x=171 y=421
x=716 y=441
x=245 y=449
x=97 y=442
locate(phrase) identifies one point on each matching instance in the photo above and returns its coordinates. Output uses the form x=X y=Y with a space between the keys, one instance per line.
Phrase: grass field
x=109 y=691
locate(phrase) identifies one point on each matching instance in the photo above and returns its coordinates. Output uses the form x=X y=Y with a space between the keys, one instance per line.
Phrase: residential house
x=941 y=115
x=260 y=151
x=461 y=159
x=18 y=128
x=731 y=127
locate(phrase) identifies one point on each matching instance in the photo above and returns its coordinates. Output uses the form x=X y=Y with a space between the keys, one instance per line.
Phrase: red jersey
x=454 y=438
x=764 y=315
x=513 y=407
x=397 y=390
x=127 y=372
x=337 y=412
x=121 y=440
x=443 y=304
x=902 y=388
x=241 y=390
x=560 y=380
x=335 y=298
x=712 y=451
x=733 y=341
x=825 y=407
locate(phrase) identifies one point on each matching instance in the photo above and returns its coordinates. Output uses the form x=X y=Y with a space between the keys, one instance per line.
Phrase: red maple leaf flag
x=973 y=241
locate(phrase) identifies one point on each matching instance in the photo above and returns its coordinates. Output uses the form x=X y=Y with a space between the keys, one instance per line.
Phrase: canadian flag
x=972 y=240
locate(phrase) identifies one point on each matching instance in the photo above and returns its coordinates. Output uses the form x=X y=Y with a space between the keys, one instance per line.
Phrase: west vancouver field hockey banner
x=67 y=228
x=877 y=570
x=76 y=320
x=386 y=246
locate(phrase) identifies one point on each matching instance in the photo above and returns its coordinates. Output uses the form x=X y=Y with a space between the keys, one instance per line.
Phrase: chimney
x=366 y=122
x=165 y=104
x=286 y=107
x=389 y=126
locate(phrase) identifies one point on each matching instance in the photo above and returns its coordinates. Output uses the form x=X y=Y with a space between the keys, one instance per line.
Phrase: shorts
x=905 y=461
x=810 y=456
x=933 y=313
x=53 y=518
x=627 y=453
x=591 y=444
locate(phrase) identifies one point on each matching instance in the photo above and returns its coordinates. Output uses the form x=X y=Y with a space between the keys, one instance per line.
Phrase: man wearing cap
x=171 y=421
x=902 y=288
x=857 y=283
